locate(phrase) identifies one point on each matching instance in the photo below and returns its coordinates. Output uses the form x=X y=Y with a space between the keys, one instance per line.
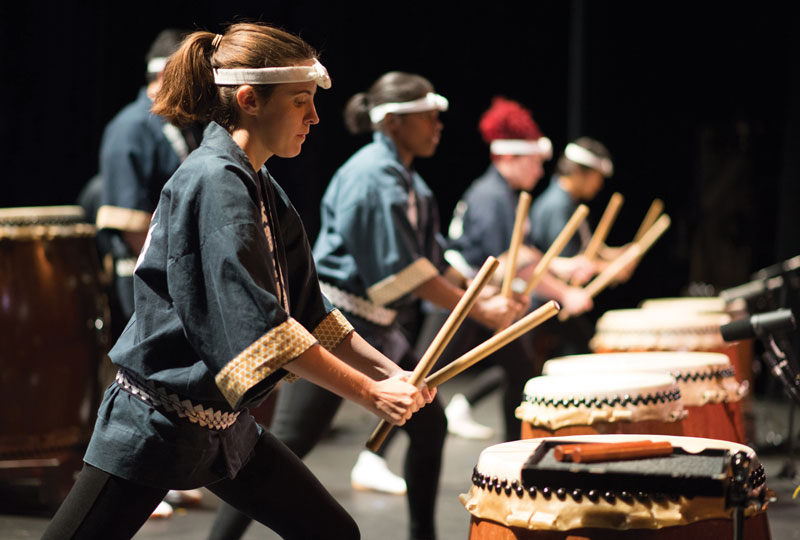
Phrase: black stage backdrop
x=698 y=103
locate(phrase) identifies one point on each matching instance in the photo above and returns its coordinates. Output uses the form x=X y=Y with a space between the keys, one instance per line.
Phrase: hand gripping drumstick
x=556 y=247
x=653 y=212
x=501 y=339
x=634 y=252
x=439 y=342
x=606 y=221
x=523 y=206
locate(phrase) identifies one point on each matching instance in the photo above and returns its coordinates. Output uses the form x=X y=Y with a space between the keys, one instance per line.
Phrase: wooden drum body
x=709 y=391
x=575 y=404
x=519 y=492
x=53 y=311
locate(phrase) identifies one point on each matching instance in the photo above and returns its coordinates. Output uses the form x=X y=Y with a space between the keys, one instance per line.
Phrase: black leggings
x=303 y=414
x=274 y=488
x=508 y=369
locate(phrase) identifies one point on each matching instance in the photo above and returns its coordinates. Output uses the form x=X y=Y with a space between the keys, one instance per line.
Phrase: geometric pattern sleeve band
x=332 y=330
x=262 y=358
x=403 y=282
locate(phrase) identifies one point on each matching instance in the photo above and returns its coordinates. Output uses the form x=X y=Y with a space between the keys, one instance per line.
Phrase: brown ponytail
x=188 y=94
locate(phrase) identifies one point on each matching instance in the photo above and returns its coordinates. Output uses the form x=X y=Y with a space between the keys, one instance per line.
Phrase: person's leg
x=303 y=414
x=278 y=490
x=427 y=431
x=519 y=366
x=101 y=505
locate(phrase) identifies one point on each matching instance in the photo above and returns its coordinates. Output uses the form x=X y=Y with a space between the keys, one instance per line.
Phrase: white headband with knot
x=582 y=156
x=156 y=65
x=430 y=102
x=274 y=75
x=522 y=147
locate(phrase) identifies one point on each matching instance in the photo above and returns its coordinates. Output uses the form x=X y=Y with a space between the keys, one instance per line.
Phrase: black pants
x=507 y=370
x=303 y=414
x=274 y=488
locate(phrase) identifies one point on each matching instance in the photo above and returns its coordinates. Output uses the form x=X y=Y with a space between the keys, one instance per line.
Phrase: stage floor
x=384 y=516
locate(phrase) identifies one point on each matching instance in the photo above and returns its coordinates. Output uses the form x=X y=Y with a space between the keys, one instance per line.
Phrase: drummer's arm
x=135 y=240
x=493 y=312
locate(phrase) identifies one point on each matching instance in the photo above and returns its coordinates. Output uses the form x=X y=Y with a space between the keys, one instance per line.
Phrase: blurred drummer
x=139 y=151
x=482 y=225
x=581 y=171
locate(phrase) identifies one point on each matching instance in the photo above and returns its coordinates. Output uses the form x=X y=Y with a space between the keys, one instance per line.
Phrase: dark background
x=697 y=103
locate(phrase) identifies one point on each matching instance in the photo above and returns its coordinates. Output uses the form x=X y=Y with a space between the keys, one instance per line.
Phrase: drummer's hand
x=627 y=271
x=497 y=312
x=575 y=301
x=395 y=399
x=583 y=270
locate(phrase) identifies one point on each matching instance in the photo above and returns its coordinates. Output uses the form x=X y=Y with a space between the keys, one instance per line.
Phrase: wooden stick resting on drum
x=594 y=452
x=523 y=206
x=441 y=340
x=653 y=212
x=556 y=247
x=634 y=252
x=604 y=226
x=499 y=340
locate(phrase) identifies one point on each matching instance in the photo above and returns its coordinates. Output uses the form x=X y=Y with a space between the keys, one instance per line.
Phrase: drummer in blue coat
x=482 y=225
x=580 y=174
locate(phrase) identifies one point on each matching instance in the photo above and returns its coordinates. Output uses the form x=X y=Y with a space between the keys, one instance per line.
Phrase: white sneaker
x=460 y=422
x=370 y=473
x=162 y=511
x=184 y=497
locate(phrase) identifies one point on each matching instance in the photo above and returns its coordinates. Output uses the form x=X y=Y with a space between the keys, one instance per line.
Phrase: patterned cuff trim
x=400 y=284
x=332 y=330
x=264 y=357
x=123 y=219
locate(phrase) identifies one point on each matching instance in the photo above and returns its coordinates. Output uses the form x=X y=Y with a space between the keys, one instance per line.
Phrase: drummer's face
x=525 y=171
x=592 y=183
x=417 y=134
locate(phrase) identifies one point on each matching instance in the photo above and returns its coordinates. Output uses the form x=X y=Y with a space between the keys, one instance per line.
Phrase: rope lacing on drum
x=498 y=485
x=721 y=373
x=666 y=396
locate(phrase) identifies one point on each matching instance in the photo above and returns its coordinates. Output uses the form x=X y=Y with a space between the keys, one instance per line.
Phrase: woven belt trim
x=358 y=305
x=159 y=398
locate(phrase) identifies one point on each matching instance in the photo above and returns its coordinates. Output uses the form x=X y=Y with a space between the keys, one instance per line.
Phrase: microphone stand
x=778 y=363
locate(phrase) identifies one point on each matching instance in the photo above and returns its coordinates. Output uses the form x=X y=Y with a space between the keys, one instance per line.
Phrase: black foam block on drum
x=681 y=474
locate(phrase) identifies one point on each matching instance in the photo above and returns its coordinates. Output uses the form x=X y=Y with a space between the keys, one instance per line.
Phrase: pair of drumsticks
x=637 y=249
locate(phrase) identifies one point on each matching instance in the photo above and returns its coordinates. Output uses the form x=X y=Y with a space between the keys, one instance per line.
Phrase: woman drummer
x=227 y=303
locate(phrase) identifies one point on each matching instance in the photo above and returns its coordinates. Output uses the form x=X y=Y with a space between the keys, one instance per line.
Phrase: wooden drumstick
x=441 y=340
x=523 y=206
x=556 y=247
x=653 y=212
x=604 y=226
x=499 y=340
x=634 y=252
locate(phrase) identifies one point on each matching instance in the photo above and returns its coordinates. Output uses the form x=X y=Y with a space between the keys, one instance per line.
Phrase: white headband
x=522 y=147
x=274 y=75
x=156 y=65
x=582 y=156
x=430 y=102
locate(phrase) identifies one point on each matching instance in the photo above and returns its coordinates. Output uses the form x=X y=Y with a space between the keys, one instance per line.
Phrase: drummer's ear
x=246 y=99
